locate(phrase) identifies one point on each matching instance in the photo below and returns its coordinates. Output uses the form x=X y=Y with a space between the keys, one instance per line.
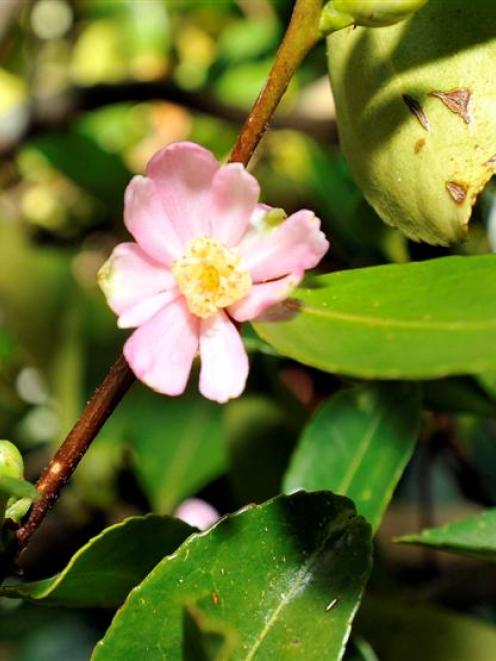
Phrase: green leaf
x=205 y=639
x=488 y=383
x=178 y=445
x=13 y=486
x=459 y=394
x=358 y=444
x=394 y=321
x=414 y=110
x=474 y=536
x=82 y=159
x=261 y=435
x=285 y=576
x=102 y=572
x=411 y=631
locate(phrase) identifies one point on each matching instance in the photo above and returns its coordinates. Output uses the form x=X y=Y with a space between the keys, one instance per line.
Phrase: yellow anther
x=210 y=276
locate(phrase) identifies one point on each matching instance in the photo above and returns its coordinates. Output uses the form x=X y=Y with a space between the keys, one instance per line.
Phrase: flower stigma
x=210 y=276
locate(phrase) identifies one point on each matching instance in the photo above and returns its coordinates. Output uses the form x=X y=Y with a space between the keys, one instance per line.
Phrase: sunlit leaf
x=285 y=576
x=394 y=321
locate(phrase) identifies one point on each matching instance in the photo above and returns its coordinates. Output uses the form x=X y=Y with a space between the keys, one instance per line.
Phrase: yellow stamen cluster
x=210 y=276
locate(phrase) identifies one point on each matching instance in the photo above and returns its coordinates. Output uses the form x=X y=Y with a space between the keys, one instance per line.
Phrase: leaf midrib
x=296 y=585
x=400 y=323
x=361 y=452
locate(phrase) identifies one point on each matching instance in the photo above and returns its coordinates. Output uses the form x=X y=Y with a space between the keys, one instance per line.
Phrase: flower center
x=210 y=276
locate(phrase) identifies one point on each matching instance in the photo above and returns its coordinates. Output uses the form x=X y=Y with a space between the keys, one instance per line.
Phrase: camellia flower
x=206 y=255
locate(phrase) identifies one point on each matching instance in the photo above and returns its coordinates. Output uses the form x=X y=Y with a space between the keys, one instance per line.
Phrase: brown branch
x=301 y=35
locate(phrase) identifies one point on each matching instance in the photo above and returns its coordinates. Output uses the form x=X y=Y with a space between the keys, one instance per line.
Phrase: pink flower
x=197 y=513
x=206 y=253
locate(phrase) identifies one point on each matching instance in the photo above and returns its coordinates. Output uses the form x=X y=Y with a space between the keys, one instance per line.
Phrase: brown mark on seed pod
x=491 y=162
x=415 y=108
x=457 y=101
x=419 y=145
x=457 y=191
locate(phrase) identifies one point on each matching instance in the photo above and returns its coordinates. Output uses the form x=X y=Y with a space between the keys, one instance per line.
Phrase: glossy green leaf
x=358 y=444
x=205 y=639
x=286 y=576
x=415 y=114
x=474 y=536
x=178 y=445
x=394 y=321
x=102 y=572
x=412 y=631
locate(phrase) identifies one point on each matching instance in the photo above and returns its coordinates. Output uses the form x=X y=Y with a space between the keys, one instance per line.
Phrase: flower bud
x=197 y=512
x=339 y=14
x=11 y=468
x=11 y=464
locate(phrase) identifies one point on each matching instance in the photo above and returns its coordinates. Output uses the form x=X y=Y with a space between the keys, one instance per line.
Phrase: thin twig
x=301 y=35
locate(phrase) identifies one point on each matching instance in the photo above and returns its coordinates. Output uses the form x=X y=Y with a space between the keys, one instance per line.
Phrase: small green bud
x=11 y=474
x=11 y=463
x=339 y=14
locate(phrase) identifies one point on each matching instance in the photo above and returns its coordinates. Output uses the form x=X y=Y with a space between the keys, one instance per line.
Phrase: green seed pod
x=339 y=14
x=11 y=463
x=415 y=105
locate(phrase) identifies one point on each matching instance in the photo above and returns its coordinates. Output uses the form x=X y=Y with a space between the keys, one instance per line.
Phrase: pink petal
x=295 y=245
x=234 y=198
x=161 y=352
x=147 y=221
x=145 y=309
x=183 y=173
x=263 y=296
x=130 y=280
x=224 y=363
